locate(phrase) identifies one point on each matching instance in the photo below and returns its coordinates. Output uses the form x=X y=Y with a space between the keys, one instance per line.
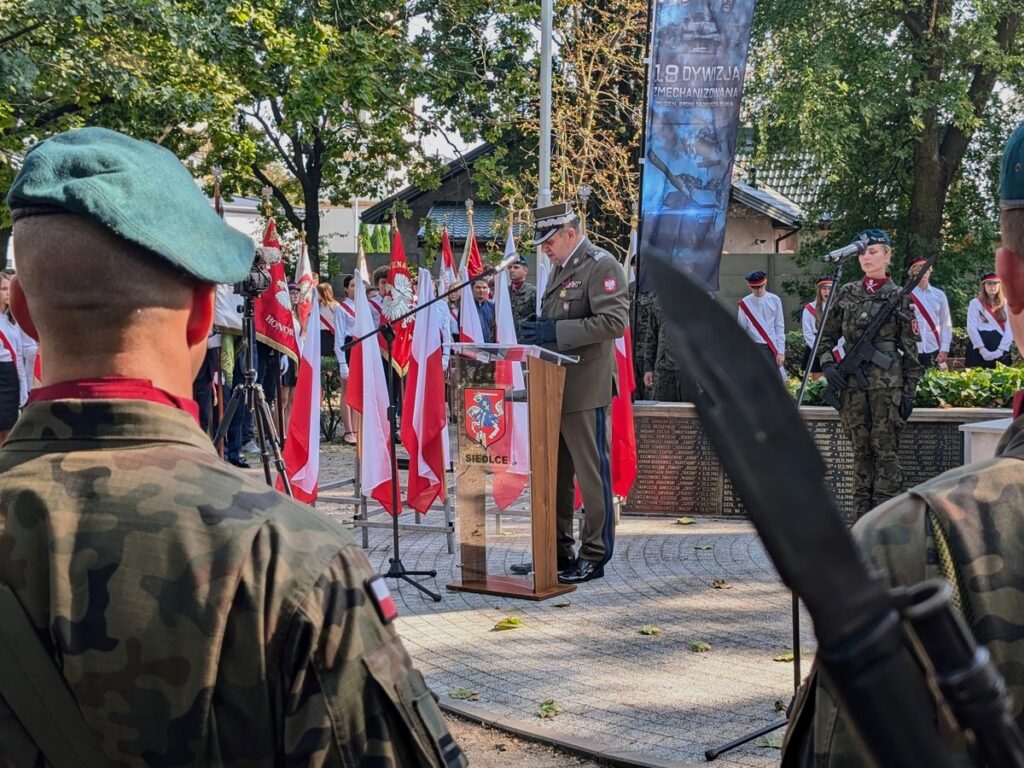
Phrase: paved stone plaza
x=648 y=696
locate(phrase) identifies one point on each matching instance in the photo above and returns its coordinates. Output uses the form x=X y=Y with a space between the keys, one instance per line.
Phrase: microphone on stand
x=856 y=248
x=506 y=263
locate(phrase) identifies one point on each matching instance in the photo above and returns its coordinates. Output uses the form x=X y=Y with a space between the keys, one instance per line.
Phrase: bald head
x=91 y=295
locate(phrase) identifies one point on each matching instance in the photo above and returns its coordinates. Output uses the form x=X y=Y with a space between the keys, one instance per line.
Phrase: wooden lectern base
x=510 y=586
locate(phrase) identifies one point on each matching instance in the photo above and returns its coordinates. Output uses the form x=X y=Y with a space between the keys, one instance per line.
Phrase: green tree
x=127 y=65
x=325 y=100
x=905 y=106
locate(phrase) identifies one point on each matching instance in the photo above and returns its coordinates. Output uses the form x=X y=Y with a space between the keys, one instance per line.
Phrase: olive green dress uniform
x=657 y=358
x=587 y=296
x=870 y=415
x=964 y=526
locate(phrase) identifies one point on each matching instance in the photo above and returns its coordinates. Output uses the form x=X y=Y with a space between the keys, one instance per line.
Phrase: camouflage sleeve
x=907 y=344
x=650 y=346
x=833 y=329
x=609 y=305
x=351 y=694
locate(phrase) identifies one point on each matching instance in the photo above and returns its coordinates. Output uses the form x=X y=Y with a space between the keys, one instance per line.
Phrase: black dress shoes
x=240 y=463
x=582 y=571
x=522 y=569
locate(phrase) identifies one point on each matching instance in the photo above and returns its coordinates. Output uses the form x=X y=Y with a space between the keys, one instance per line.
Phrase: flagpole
x=546 y=32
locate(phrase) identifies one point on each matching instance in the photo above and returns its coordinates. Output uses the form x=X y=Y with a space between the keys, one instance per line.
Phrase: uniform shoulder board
x=597 y=253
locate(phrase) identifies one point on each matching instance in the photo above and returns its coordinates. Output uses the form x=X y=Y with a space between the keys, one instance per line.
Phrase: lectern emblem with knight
x=485 y=415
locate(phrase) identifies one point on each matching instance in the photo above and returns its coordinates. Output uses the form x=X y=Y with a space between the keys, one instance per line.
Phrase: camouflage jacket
x=199 y=617
x=851 y=312
x=524 y=303
x=655 y=351
x=964 y=526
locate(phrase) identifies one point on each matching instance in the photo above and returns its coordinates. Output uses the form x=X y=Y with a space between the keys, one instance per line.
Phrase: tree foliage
x=905 y=105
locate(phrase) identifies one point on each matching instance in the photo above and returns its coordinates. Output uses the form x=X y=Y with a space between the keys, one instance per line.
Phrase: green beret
x=874 y=237
x=1011 y=181
x=139 y=191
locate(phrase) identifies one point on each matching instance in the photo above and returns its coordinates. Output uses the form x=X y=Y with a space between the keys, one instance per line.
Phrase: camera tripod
x=249 y=394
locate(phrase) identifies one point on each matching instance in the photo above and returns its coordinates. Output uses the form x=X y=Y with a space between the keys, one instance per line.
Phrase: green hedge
x=971 y=388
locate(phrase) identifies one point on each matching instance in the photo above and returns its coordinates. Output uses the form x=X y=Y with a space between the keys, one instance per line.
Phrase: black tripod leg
x=262 y=433
x=711 y=754
x=237 y=396
x=266 y=417
x=398 y=571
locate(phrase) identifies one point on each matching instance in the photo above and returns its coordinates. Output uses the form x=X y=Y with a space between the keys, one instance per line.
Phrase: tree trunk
x=311 y=199
x=928 y=195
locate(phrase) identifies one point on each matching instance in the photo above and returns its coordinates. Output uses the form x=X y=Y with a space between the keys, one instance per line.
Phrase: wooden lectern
x=508 y=401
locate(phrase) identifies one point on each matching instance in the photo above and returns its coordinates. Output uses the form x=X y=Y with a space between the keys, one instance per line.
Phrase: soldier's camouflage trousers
x=871 y=420
x=666 y=386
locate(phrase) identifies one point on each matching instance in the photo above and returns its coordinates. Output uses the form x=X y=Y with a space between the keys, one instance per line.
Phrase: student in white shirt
x=931 y=308
x=988 y=332
x=760 y=315
x=344 y=327
x=15 y=380
x=810 y=321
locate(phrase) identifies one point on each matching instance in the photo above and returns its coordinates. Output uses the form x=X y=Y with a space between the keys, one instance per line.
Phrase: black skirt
x=10 y=395
x=991 y=340
x=815 y=363
x=326 y=343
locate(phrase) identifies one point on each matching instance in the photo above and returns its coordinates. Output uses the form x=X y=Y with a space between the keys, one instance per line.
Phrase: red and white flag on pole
x=367 y=394
x=471 y=261
x=398 y=301
x=302 y=448
x=423 y=412
x=623 y=433
x=272 y=309
x=510 y=479
x=446 y=277
x=470 y=329
x=304 y=281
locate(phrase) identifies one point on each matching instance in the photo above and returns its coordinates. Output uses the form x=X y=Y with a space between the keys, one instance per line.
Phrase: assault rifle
x=863 y=351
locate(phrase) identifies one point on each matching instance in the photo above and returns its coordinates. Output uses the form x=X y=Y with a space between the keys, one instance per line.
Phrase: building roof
x=381 y=212
x=485 y=215
x=768 y=202
x=795 y=178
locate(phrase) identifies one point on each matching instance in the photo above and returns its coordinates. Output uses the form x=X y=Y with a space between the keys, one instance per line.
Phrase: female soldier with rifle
x=876 y=395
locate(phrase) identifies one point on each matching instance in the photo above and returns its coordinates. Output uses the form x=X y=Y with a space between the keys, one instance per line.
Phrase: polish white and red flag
x=302 y=448
x=423 y=412
x=471 y=261
x=367 y=394
x=470 y=330
x=510 y=479
x=306 y=286
x=446 y=277
x=624 y=463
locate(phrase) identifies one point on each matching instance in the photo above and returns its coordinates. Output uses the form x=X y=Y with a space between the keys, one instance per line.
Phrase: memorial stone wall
x=679 y=472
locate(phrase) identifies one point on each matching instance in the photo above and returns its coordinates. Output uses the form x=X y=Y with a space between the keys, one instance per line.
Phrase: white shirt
x=809 y=326
x=935 y=302
x=979 y=319
x=21 y=354
x=768 y=311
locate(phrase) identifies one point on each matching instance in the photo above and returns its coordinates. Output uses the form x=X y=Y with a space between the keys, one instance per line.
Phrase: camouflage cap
x=139 y=191
x=1011 y=180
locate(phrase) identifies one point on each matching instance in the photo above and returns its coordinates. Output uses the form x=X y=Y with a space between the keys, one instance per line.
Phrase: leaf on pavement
x=548 y=708
x=787 y=656
x=685 y=521
x=465 y=694
x=509 y=622
x=780 y=706
x=720 y=584
x=649 y=629
x=700 y=646
x=774 y=741
x=562 y=604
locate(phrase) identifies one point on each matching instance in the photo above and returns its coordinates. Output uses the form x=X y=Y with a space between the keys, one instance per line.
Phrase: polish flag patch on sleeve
x=381 y=598
x=610 y=285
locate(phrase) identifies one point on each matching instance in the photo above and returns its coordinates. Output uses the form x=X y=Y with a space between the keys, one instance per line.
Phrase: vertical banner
x=694 y=84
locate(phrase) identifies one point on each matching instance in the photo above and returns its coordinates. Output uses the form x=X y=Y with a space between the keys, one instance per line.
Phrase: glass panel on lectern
x=492 y=467
x=513 y=352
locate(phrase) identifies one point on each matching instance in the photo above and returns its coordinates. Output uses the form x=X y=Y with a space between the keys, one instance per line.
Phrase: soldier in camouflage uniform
x=873 y=416
x=964 y=526
x=524 y=295
x=641 y=338
x=198 y=617
x=661 y=374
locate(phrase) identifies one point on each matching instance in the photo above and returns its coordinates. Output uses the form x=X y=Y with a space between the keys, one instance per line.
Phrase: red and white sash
x=351 y=312
x=6 y=343
x=810 y=308
x=325 y=323
x=757 y=326
x=927 y=318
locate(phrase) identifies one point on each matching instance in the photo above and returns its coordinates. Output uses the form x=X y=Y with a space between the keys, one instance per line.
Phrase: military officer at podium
x=585 y=308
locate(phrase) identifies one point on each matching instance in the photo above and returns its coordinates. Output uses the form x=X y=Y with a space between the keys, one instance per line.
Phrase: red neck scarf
x=872 y=284
x=113 y=388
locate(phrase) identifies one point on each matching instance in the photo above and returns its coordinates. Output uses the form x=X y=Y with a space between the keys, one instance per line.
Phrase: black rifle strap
x=38 y=694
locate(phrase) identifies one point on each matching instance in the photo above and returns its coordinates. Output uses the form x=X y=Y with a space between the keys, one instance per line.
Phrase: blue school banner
x=694 y=85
